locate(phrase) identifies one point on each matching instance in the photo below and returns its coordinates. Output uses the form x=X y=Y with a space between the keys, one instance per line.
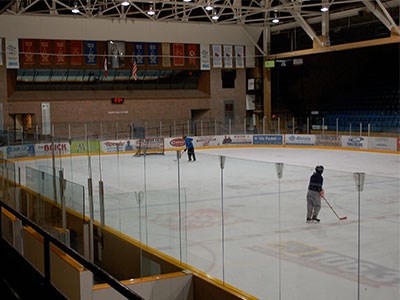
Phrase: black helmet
x=319 y=169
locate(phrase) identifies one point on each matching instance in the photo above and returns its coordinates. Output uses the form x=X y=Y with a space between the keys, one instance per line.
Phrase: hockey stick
x=330 y=206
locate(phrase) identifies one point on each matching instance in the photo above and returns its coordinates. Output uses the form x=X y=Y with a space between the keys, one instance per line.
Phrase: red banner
x=28 y=48
x=60 y=49
x=76 y=51
x=44 y=50
x=192 y=53
x=178 y=53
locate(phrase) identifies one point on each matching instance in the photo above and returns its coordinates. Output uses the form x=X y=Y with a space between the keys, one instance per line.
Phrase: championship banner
x=166 y=55
x=138 y=52
x=205 y=57
x=153 y=54
x=228 y=57
x=90 y=51
x=60 y=48
x=12 y=57
x=76 y=52
x=178 y=51
x=192 y=53
x=239 y=56
x=44 y=50
x=217 y=56
x=28 y=48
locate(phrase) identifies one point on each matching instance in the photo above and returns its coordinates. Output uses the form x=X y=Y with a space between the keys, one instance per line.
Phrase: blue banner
x=27 y=150
x=139 y=53
x=153 y=54
x=90 y=52
x=268 y=140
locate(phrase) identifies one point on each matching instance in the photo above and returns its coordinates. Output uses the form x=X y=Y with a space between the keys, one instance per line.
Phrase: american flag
x=105 y=67
x=134 y=70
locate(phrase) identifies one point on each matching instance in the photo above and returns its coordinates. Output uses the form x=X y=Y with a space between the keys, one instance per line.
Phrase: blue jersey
x=189 y=143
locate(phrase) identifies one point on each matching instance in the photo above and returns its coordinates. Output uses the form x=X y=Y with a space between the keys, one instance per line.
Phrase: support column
x=267 y=106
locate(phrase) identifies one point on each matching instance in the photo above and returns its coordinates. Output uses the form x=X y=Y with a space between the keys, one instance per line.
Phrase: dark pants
x=191 y=154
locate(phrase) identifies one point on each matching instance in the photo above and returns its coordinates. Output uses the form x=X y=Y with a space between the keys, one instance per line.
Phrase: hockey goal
x=149 y=146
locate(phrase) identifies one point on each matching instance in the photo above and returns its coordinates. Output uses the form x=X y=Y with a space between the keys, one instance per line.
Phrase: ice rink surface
x=243 y=225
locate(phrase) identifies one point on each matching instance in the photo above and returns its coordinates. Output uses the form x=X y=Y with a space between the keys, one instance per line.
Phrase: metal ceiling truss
x=259 y=13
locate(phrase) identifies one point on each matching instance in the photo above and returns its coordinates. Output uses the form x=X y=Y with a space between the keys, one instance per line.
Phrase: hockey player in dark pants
x=189 y=148
x=314 y=194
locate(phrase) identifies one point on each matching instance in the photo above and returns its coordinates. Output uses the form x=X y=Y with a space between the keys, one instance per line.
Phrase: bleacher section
x=379 y=121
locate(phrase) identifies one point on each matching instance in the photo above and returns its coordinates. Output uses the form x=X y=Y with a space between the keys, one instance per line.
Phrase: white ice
x=269 y=251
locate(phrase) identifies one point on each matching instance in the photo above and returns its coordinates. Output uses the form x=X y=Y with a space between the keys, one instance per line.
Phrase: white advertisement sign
x=300 y=139
x=354 y=142
x=119 y=146
x=47 y=149
x=382 y=143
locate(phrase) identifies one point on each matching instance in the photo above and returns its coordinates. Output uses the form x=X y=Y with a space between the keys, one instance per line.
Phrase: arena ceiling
x=377 y=18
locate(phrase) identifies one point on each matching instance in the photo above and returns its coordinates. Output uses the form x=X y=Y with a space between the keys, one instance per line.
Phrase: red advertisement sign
x=192 y=53
x=179 y=54
x=76 y=53
x=28 y=48
x=60 y=49
x=44 y=50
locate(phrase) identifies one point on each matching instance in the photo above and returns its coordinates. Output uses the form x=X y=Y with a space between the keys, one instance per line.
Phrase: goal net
x=149 y=146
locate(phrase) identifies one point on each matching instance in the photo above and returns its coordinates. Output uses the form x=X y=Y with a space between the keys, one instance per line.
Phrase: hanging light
x=75 y=10
x=208 y=7
x=187 y=0
x=215 y=15
x=324 y=8
x=275 y=20
x=151 y=11
x=125 y=3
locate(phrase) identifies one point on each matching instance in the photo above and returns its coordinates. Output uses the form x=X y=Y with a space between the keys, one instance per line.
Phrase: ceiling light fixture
x=125 y=3
x=75 y=10
x=324 y=8
x=187 y=0
x=275 y=20
x=151 y=11
x=215 y=15
x=208 y=7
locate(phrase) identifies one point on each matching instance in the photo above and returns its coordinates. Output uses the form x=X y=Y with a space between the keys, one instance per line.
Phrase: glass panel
x=251 y=227
x=380 y=238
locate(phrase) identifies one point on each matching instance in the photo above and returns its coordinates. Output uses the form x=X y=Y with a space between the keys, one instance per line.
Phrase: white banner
x=46 y=119
x=217 y=56
x=12 y=57
x=205 y=57
x=228 y=62
x=239 y=57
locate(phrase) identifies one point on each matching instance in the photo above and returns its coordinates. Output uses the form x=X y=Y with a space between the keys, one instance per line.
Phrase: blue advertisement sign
x=267 y=139
x=90 y=52
x=27 y=150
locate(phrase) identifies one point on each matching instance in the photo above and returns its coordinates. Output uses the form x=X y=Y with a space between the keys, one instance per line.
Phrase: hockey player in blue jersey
x=189 y=148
